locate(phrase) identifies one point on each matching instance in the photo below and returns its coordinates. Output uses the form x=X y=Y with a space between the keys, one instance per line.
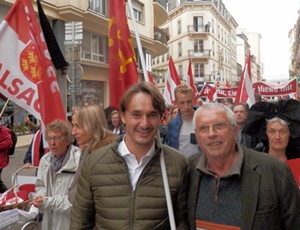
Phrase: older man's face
x=215 y=135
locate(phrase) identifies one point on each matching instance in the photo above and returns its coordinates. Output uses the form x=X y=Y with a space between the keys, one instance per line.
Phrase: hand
x=26 y=166
x=26 y=119
x=38 y=201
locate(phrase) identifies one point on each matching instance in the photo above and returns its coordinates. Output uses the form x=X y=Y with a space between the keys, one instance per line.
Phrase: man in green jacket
x=121 y=185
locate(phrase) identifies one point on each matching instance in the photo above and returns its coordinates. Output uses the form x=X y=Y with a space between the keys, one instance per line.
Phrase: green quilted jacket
x=105 y=199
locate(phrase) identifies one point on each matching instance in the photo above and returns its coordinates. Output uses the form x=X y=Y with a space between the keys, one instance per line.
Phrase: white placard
x=8 y=217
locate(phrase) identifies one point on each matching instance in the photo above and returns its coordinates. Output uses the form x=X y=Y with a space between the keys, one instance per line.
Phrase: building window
x=94 y=47
x=179 y=49
x=222 y=34
x=179 y=27
x=180 y=72
x=99 y=6
x=148 y=62
x=138 y=9
x=198 y=24
x=199 y=70
x=212 y=25
x=98 y=48
x=198 y=47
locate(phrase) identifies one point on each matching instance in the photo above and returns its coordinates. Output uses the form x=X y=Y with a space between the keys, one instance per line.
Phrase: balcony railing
x=163 y=3
x=161 y=35
x=199 y=54
x=199 y=29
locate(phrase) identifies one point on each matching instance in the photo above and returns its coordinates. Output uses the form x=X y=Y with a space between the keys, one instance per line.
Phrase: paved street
x=16 y=162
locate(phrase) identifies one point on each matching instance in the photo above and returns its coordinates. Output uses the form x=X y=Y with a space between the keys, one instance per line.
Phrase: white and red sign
x=262 y=88
x=27 y=76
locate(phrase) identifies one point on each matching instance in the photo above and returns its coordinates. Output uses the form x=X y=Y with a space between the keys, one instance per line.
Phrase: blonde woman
x=117 y=124
x=91 y=132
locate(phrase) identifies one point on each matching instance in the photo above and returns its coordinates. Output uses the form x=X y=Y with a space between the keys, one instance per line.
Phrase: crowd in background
x=226 y=164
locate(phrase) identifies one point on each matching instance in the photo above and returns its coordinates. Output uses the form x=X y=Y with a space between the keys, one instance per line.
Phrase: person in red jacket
x=5 y=144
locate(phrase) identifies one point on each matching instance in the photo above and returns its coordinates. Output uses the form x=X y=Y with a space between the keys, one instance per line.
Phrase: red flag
x=245 y=93
x=151 y=79
x=228 y=84
x=27 y=76
x=122 y=63
x=209 y=91
x=172 y=80
x=190 y=82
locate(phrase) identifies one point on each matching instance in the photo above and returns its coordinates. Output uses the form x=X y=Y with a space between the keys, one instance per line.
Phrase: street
x=16 y=162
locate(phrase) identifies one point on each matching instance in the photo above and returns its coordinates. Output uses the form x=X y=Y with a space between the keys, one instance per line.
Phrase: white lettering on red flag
x=27 y=76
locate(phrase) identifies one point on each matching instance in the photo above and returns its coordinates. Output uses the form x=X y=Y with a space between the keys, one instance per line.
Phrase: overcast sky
x=273 y=20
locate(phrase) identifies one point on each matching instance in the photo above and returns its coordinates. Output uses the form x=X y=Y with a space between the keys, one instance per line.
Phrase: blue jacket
x=174 y=125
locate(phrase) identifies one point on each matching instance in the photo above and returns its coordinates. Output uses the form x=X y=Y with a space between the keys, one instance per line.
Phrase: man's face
x=142 y=122
x=184 y=102
x=240 y=114
x=215 y=135
x=58 y=143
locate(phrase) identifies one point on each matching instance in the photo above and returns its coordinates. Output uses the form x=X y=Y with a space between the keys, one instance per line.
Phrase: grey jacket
x=270 y=197
x=56 y=204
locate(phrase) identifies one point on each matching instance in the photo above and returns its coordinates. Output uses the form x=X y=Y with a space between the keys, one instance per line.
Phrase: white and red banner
x=190 y=82
x=267 y=90
x=262 y=88
x=245 y=92
x=209 y=91
x=27 y=76
x=172 y=80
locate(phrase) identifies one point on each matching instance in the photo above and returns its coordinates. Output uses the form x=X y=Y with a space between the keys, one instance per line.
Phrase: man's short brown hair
x=184 y=89
x=147 y=88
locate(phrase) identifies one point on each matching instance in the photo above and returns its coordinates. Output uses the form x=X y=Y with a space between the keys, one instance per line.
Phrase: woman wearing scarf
x=55 y=174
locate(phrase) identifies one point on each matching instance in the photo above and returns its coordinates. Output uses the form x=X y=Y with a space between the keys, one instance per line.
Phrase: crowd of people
x=192 y=166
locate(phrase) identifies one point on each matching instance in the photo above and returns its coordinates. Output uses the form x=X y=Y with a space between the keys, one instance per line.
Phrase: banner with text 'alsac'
x=27 y=76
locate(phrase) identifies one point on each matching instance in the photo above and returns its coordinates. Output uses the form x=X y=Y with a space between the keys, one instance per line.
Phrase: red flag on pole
x=151 y=79
x=245 y=93
x=190 y=82
x=27 y=76
x=172 y=80
x=209 y=91
x=228 y=84
x=122 y=63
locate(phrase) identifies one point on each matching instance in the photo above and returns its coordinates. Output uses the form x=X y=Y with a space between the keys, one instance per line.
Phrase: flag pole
x=138 y=41
x=4 y=107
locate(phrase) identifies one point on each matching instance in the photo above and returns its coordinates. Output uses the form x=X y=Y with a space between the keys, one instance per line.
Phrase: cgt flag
x=245 y=93
x=172 y=80
x=190 y=82
x=122 y=63
x=27 y=76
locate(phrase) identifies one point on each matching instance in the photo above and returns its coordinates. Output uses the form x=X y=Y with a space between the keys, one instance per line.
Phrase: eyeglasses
x=273 y=132
x=57 y=138
x=219 y=126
